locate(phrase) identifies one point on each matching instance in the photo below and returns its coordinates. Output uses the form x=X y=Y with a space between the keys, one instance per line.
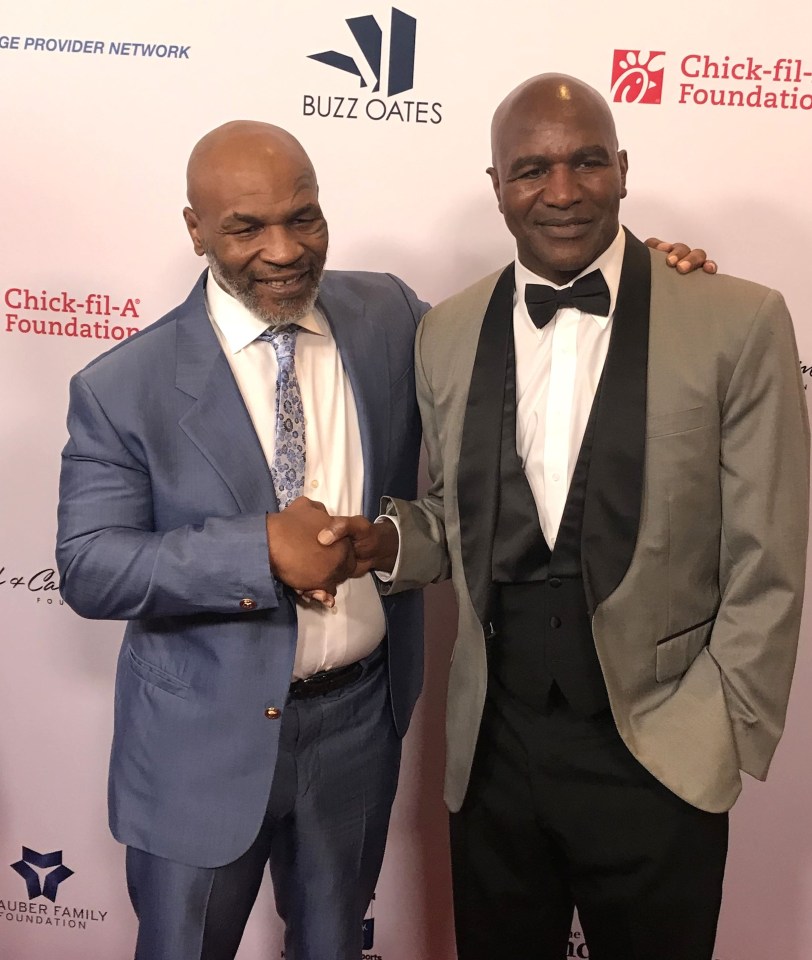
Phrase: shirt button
x=273 y=713
x=556 y=477
x=555 y=622
x=554 y=582
x=248 y=604
x=314 y=483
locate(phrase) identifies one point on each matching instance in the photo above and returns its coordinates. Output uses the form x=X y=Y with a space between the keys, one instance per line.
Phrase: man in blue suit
x=251 y=726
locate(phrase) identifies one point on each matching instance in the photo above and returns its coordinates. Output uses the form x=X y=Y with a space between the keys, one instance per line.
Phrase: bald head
x=231 y=154
x=254 y=214
x=557 y=173
x=550 y=95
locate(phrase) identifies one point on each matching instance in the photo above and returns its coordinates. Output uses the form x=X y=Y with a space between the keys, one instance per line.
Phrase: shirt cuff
x=382 y=575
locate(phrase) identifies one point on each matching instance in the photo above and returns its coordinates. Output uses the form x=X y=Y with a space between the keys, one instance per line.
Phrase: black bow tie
x=589 y=293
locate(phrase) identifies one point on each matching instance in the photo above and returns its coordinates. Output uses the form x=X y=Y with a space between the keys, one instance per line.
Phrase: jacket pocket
x=677 y=652
x=155 y=676
x=678 y=421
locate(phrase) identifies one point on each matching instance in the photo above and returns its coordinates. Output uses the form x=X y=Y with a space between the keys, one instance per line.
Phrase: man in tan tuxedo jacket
x=625 y=647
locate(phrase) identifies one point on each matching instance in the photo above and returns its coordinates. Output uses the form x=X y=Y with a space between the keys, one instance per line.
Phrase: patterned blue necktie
x=288 y=466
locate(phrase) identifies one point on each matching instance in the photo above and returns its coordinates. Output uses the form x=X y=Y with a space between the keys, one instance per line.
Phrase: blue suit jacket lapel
x=218 y=422
x=362 y=346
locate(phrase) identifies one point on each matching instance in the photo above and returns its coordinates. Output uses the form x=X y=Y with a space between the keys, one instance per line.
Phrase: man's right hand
x=297 y=557
x=375 y=544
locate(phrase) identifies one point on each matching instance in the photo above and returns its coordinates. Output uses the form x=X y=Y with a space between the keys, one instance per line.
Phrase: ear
x=497 y=189
x=193 y=226
x=623 y=163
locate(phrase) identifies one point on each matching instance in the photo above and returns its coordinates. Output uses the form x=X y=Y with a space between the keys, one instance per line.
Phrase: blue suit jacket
x=163 y=496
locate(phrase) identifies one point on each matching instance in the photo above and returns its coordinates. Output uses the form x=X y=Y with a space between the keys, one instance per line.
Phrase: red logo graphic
x=637 y=76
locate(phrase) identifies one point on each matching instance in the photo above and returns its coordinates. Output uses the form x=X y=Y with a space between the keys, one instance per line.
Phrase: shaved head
x=549 y=93
x=229 y=153
x=557 y=173
x=254 y=213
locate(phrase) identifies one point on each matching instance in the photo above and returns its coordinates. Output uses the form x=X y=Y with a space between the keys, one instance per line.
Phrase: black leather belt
x=326 y=681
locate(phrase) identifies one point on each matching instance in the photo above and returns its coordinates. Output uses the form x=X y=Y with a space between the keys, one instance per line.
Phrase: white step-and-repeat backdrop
x=101 y=103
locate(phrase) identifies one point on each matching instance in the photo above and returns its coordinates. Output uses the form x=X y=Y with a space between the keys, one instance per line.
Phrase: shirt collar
x=610 y=263
x=239 y=326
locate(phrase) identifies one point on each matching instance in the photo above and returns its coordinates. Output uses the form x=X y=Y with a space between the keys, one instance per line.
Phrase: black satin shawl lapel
x=478 y=469
x=615 y=485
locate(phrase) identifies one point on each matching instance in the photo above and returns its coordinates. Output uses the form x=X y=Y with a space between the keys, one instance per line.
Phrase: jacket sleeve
x=112 y=561
x=764 y=475
x=423 y=556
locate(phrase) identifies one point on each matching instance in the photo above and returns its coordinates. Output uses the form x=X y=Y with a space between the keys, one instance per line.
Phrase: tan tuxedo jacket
x=695 y=521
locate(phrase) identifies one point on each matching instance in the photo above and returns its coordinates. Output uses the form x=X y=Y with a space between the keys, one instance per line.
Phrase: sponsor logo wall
x=396 y=78
x=39 y=905
x=705 y=79
x=91 y=316
x=103 y=105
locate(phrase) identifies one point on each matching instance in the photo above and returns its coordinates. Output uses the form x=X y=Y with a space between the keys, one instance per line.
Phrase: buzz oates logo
x=43 y=875
x=714 y=80
x=389 y=80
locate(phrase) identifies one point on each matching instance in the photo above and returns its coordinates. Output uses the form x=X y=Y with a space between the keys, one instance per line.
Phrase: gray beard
x=285 y=312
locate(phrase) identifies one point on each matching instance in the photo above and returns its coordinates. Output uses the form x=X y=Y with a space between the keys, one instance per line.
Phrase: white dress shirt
x=557 y=374
x=334 y=463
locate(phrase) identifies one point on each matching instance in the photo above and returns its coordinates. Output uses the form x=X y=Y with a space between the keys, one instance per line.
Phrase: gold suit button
x=273 y=713
x=248 y=604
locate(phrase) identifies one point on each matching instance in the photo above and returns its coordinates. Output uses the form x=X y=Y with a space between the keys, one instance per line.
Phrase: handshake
x=313 y=552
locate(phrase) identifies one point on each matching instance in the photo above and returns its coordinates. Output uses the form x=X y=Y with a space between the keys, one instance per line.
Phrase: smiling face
x=254 y=214
x=557 y=174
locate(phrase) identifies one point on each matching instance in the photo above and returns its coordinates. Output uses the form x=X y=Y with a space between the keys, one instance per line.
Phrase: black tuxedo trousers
x=559 y=814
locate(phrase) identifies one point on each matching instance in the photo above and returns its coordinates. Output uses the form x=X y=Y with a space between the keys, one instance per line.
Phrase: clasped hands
x=313 y=552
